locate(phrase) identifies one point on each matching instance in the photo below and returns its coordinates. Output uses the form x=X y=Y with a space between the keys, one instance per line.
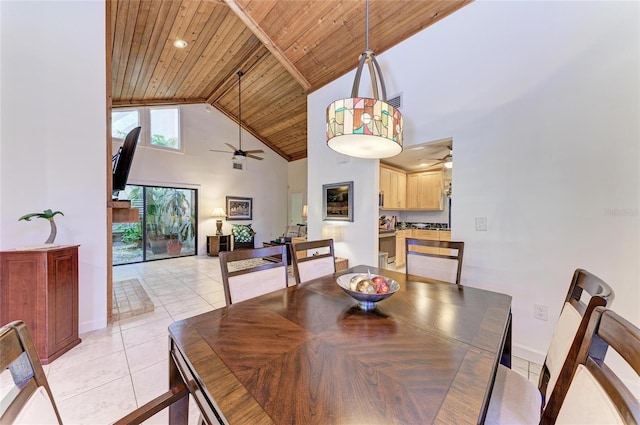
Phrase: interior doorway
x=295 y=208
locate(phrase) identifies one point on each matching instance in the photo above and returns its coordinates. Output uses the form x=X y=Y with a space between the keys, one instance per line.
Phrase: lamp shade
x=305 y=211
x=332 y=232
x=364 y=128
x=219 y=212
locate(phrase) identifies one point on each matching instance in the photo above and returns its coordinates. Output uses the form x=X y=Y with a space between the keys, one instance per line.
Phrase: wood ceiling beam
x=266 y=40
x=126 y=103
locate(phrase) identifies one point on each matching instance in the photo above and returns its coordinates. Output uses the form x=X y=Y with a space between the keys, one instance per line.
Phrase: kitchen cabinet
x=393 y=186
x=434 y=235
x=40 y=287
x=424 y=191
x=401 y=246
x=445 y=235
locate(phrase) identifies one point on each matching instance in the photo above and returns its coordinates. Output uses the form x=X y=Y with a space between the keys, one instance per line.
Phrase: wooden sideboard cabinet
x=41 y=288
x=218 y=243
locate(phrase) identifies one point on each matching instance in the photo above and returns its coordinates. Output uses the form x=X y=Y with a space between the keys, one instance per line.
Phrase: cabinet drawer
x=425 y=234
x=445 y=235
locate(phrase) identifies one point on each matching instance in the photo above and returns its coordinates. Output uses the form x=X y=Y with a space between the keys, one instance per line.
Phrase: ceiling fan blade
x=233 y=148
x=255 y=151
x=435 y=164
x=254 y=157
x=216 y=150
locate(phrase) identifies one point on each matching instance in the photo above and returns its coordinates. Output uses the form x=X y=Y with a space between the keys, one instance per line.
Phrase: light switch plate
x=481 y=224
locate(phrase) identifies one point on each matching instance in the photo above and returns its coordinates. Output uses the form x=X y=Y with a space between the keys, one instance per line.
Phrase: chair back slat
x=426 y=258
x=586 y=292
x=30 y=400
x=595 y=393
x=307 y=265
x=245 y=286
x=268 y=272
x=19 y=356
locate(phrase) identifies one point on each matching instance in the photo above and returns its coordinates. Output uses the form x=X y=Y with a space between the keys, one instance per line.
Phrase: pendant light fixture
x=363 y=127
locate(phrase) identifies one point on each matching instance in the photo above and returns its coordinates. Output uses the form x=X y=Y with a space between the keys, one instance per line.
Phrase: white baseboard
x=528 y=353
x=91 y=325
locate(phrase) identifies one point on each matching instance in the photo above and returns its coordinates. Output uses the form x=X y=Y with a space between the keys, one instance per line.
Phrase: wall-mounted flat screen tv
x=122 y=161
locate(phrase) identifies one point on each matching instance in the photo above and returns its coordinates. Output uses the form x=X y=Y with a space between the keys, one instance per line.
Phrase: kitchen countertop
x=389 y=231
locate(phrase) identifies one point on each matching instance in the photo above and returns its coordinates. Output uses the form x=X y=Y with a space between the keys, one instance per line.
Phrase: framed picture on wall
x=337 y=201
x=239 y=208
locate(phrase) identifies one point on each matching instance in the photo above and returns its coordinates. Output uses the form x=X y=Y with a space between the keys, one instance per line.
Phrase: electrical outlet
x=481 y=224
x=541 y=312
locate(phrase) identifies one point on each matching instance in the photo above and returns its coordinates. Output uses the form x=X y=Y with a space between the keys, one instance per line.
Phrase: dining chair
x=307 y=267
x=27 y=397
x=248 y=273
x=440 y=260
x=595 y=394
x=515 y=399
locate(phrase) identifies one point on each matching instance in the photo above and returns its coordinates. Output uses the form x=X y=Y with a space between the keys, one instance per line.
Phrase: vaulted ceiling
x=286 y=49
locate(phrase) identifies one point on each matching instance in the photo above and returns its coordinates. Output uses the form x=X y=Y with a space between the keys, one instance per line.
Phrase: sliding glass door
x=167 y=227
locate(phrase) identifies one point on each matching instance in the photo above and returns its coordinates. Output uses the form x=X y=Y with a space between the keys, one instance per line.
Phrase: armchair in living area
x=295 y=231
x=243 y=236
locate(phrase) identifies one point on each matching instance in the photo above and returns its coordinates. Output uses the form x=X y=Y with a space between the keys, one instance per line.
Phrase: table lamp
x=219 y=214
x=305 y=212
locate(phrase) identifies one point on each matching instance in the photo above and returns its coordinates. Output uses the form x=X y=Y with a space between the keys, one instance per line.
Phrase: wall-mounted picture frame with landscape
x=239 y=208
x=337 y=201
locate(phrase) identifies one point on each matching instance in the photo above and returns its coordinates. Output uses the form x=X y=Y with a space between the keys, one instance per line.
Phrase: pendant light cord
x=369 y=58
x=240 y=74
x=366 y=36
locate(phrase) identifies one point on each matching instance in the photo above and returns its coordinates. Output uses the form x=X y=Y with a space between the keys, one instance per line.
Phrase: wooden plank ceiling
x=286 y=49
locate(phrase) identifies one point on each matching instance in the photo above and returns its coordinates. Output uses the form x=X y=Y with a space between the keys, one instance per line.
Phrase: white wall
x=542 y=100
x=211 y=173
x=52 y=139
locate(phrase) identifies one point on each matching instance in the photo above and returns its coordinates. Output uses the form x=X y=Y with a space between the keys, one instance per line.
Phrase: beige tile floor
x=118 y=368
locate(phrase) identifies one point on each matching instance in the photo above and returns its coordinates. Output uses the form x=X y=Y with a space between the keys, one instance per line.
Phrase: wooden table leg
x=505 y=359
x=178 y=411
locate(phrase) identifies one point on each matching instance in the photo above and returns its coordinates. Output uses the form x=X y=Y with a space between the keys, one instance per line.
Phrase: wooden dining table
x=308 y=354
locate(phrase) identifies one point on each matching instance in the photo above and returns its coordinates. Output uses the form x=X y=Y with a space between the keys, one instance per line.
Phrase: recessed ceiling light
x=180 y=44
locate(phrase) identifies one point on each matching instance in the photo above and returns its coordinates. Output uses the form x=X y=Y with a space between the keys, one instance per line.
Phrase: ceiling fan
x=238 y=153
x=446 y=161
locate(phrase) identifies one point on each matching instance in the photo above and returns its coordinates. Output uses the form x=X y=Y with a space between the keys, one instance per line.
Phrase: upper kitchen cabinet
x=424 y=191
x=393 y=188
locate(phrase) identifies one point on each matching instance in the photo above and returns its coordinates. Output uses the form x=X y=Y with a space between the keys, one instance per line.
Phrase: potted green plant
x=176 y=219
x=155 y=237
x=132 y=234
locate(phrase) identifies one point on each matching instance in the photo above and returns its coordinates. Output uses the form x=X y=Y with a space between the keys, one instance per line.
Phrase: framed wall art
x=337 y=201
x=239 y=208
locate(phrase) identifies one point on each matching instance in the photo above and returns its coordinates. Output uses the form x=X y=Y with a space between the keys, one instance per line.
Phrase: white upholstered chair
x=243 y=279
x=515 y=399
x=427 y=258
x=27 y=399
x=595 y=395
x=313 y=259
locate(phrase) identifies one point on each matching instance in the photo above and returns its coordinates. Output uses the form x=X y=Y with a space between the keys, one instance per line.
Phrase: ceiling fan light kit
x=363 y=127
